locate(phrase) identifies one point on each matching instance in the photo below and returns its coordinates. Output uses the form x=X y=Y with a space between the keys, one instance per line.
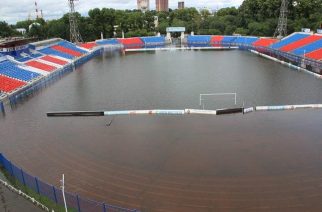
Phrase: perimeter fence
x=74 y=201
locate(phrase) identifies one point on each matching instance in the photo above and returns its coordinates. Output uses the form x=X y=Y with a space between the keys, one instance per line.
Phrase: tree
x=6 y=30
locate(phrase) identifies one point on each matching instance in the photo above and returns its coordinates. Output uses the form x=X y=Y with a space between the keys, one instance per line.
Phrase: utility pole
x=62 y=181
x=281 y=29
x=75 y=36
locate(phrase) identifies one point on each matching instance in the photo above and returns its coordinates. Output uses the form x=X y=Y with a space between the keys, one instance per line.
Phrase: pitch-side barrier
x=184 y=112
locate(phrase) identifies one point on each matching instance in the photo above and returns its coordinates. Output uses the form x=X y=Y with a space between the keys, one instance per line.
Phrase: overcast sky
x=13 y=10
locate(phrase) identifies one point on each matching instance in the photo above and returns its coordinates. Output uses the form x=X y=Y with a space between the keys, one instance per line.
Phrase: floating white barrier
x=288 y=64
x=205 y=112
x=288 y=107
x=248 y=110
x=142 y=112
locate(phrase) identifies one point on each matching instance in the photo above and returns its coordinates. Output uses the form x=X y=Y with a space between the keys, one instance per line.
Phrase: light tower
x=281 y=29
x=75 y=36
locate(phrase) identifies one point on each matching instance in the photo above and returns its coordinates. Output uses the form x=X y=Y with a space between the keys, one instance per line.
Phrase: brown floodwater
x=263 y=161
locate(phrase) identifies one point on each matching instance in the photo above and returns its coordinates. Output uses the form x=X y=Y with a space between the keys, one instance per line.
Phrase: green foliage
x=253 y=17
x=6 y=30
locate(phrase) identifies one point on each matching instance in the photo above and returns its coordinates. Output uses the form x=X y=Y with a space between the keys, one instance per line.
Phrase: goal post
x=201 y=97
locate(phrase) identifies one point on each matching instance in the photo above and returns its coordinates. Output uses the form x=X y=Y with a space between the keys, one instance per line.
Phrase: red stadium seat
x=54 y=60
x=216 y=40
x=89 y=45
x=67 y=51
x=41 y=66
x=8 y=84
x=316 y=55
x=264 y=42
x=132 y=43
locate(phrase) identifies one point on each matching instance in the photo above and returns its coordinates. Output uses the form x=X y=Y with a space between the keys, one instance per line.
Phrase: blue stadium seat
x=243 y=40
x=108 y=42
x=199 y=40
x=156 y=41
x=290 y=39
x=51 y=51
x=10 y=69
x=24 y=59
x=71 y=46
x=228 y=40
x=308 y=48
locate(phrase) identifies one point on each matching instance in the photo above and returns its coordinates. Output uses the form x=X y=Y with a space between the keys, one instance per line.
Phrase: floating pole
x=75 y=113
x=113 y=113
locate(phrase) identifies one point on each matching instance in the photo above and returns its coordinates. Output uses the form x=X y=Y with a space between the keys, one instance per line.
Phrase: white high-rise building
x=143 y=5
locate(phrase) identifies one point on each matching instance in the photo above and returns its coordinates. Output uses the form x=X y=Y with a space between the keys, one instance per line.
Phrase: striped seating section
x=131 y=43
x=53 y=60
x=8 y=84
x=300 y=43
x=10 y=69
x=316 y=55
x=71 y=46
x=288 y=40
x=308 y=48
x=41 y=66
x=67 y=50
x=50 y=51
x=264 y=42
x=89 y=45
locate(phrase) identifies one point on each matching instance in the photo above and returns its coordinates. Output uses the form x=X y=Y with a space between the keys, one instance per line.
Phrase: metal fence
x=55 y=194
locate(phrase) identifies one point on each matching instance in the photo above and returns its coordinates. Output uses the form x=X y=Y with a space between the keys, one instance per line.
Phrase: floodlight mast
x=75 y=36
x=281 y=29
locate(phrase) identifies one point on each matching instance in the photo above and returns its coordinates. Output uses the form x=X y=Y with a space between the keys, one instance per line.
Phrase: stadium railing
x=55 y=194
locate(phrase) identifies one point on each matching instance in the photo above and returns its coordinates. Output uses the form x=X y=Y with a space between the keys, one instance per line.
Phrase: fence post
x=104 y=208
x=23 y=177
x=37 y=185
x=54 y=190
x=78 y=205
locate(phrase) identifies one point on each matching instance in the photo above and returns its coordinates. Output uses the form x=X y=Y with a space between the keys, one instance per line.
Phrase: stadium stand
x=24 y=59
x=53 y=60
x=228 y=40
x=8 y=84
x=199 y=40
x=131 y=43
x=264 y=42
x=157 y=41
x=41 y=66
x=216 y=40
x=290 y=39
x=300 y=43
x=71 y=46
x=107 y=42
x=316 y=55
x=50 y=51
x=308 y=48
x=67 y=50
x=245 y=41
x=10 y=69
x=89 y=45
